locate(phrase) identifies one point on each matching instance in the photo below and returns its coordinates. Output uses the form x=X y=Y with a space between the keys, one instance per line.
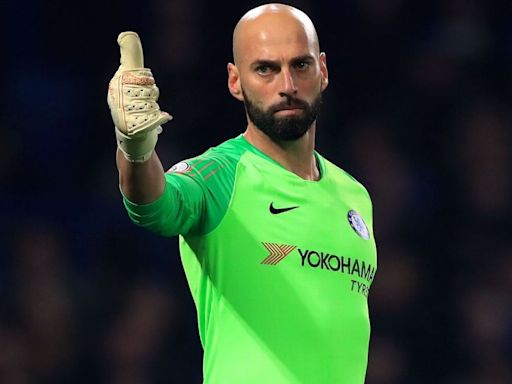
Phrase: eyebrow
x=276 y=63
x=303 y=58
x=265 y=63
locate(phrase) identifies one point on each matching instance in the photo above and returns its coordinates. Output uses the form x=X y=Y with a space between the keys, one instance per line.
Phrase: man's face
x=281 y=75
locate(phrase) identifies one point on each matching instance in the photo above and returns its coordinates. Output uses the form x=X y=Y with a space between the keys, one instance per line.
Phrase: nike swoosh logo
x=276 y=211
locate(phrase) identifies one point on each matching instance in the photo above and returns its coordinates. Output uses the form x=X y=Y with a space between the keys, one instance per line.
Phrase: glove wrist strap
x=138 y=148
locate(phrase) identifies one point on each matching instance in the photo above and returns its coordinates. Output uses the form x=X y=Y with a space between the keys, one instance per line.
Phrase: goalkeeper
x=276 y=241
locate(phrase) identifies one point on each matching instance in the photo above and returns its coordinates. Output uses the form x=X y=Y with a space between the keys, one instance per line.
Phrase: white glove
x=132 y=98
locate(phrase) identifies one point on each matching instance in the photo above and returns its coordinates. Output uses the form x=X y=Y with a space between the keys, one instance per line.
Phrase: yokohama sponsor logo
x=321 y=260
x=343 y=264
x=277 y=252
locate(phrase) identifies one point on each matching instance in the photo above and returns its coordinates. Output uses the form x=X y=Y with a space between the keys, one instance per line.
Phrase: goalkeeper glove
x=132 y=99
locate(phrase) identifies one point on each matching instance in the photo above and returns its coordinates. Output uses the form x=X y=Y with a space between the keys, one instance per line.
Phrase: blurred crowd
x=419 y=109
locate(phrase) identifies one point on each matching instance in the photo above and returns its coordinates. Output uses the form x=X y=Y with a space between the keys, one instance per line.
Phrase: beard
x=284 y=128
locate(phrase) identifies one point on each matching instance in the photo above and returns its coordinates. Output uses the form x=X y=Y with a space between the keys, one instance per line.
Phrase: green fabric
x=281 y=298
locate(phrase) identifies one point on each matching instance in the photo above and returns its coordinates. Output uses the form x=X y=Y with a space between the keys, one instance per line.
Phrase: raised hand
x=132 y=98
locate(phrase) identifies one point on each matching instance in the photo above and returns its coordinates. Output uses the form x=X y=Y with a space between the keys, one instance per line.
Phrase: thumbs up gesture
x=132 y=99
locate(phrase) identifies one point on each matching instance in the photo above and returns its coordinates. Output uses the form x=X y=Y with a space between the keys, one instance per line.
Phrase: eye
x=302 y=65
x=263 y=69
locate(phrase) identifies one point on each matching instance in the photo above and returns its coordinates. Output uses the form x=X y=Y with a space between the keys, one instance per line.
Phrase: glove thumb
x=131 y=51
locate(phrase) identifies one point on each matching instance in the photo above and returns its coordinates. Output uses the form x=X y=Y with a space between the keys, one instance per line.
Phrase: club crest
x=358 y=225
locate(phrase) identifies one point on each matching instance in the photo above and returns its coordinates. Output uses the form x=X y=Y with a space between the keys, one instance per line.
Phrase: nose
x=288 y=86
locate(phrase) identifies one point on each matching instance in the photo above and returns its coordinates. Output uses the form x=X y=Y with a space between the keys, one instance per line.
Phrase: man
x=276 y=241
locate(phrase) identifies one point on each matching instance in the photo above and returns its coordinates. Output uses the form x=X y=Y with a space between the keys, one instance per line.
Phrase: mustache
x=290 y=102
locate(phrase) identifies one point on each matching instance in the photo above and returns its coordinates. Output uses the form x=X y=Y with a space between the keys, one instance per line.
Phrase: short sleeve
x=196 y=197
x=177 y=211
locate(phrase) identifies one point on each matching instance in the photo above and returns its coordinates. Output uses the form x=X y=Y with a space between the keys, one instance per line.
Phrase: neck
x=296 y=156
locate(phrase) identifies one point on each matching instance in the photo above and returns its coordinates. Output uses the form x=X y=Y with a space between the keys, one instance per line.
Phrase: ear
x=234 y=82
x=324 y=81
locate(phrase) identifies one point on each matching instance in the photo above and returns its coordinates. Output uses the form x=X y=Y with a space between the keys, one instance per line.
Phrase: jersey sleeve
x=177 y=211
x=196 y=197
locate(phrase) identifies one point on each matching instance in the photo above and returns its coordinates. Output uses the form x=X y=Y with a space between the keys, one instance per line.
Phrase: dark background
x=418 y=109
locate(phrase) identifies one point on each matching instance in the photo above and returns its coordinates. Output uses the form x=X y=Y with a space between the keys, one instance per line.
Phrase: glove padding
x=132 y=98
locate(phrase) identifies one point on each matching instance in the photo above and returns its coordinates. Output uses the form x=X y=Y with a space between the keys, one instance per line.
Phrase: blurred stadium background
x=418 y=109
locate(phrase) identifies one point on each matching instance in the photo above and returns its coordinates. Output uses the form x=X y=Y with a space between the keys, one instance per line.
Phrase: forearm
x=141 y=183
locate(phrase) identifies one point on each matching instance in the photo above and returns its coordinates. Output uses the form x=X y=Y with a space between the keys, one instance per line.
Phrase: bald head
x=273 y=24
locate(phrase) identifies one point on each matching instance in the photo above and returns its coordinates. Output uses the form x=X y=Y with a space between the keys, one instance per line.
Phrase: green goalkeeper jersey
x=279 y=267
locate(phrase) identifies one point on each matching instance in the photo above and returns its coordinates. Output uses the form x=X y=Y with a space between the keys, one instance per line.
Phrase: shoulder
x=210 y=177
x=341 y=176
x=220 y=159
